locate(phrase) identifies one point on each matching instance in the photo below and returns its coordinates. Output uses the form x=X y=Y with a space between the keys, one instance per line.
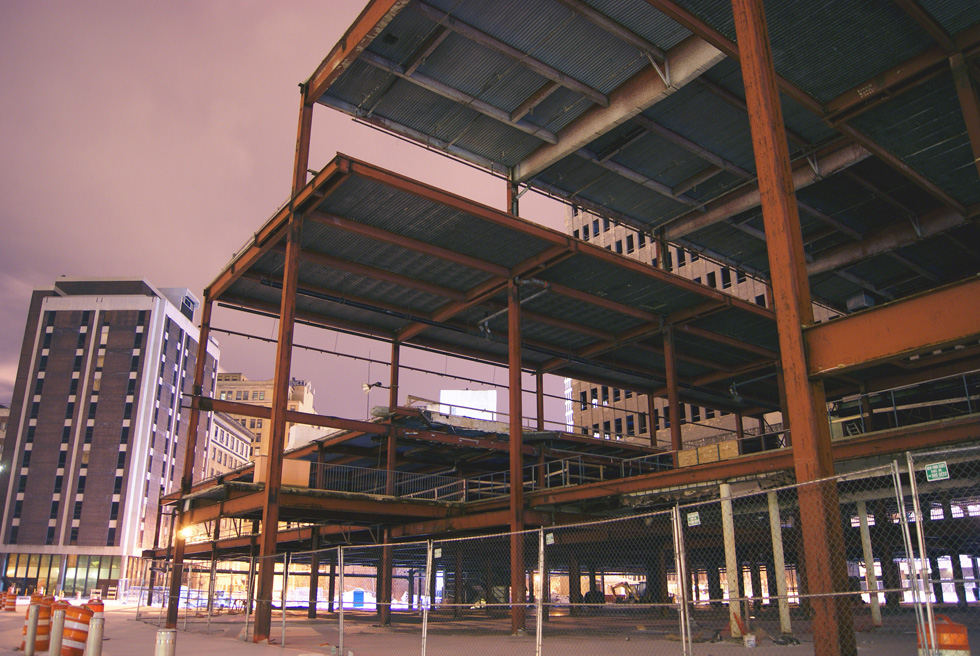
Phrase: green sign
x=693 y=519
x=937 y=471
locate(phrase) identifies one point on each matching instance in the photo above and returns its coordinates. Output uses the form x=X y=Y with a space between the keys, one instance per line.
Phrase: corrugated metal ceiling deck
x=382 y=254
x=826 y=52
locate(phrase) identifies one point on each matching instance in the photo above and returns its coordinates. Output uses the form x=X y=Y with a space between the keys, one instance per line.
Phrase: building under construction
x=830 y=152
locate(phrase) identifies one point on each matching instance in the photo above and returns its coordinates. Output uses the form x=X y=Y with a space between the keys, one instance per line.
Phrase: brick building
x=97 y=431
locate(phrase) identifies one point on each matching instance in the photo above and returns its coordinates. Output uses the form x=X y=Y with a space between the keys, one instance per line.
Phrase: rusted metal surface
x=805 y=401
x=517 y=574
x=277 y=434
x=969 y=105
x=922 y=323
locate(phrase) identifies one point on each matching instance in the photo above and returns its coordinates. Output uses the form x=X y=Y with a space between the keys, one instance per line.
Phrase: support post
x=822 y=533
x=733 y=572
x=866 y=415
x=652 y=419
x=869 y=563
x=332 y=585
x=513 y=198
x=384 y=580
x=314 y=573
x=385 y=568
x=517 y=592
x=539 y=397
x=574 y=585
x=968 y=103
x=673 y=394
x=277 y=435
x=187 y=479
x=778 y=562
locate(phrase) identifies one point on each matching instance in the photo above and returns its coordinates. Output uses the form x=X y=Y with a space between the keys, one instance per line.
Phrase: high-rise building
x=98 y=426
x=228 y=447
x=619 y=414
x=236 y=387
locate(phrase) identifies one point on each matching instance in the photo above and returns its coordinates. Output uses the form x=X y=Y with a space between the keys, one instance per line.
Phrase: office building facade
x=97 y=431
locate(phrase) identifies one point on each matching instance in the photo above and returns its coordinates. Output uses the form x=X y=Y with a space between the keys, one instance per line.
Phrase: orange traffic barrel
x=951 y=639
x=3 y=601
x=77 y=619
x=11 y=601
x=96 y=606
x=43 y=635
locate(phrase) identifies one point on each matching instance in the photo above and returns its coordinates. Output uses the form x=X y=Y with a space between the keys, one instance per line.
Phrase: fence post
x=920 y=621
x=683 y=582
x=211 y=584
x=340 y=614
x=539 y=602
x=869 y=562
x=285 y=582
x=426 y=599
x=923 y=556
x=733 y=570
x=248 y=593
x=779 y=561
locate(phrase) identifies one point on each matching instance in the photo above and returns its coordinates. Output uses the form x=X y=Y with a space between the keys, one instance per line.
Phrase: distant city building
x=4 y=416
x=478 y=404
x=619 y=414
x=229 y=446
x=236 y=387
x=98 y=425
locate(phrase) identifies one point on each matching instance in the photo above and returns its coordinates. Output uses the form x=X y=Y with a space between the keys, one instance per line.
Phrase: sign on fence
x=937 y=471
x=693 y=519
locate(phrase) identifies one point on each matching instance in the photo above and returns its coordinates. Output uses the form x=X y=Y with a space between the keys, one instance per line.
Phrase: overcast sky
x=153 y=138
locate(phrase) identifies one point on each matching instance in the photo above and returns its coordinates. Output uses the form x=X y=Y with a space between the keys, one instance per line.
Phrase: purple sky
x=152 y=139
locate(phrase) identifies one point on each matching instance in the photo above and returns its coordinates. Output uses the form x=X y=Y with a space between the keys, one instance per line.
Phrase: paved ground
x=611 y=633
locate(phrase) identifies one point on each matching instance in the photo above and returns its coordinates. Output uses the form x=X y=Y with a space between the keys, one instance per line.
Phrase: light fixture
x=185 y=532
x=366 y=387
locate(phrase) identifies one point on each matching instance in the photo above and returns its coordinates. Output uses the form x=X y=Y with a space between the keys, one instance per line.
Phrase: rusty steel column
x=277 y=435
x=781 y=385
x=652 y=419
x=314 y=594
x=663 y=254
x=739 y=430
x=673 y=393
x=968 y=103
x=513 y=198
x=539 y=380
x=385 y=573
x=301 y=161
x=187 y=479
x=833 y=629
x=517 y=592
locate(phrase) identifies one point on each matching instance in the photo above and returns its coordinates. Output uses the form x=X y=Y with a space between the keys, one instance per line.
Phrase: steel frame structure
x=808 y=357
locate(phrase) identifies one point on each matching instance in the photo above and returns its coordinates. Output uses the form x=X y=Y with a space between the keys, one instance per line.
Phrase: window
x=49 y=539
x=695 y=257
x=583 y=400
x=575 y=234
x=619 y=425
x=726 y=278
x=615 y=394
x=643 y=239
x=627 y=394
x=630 y=425
x=238 y=395
x=619 y=246
x=605 y=429
x=251 y=423
x=255 y=395
x=605 y=225
x=760 y=300
x=643 y=423
x=629 y=244
x=709 y=413
x=712 y=279
x=585 y=232
x=695 y=413
x=262 y=395
x=681 y=257
x=595 y=397
x=605 y=395
x=739 y=275
x=595 y=227
x=683 y=413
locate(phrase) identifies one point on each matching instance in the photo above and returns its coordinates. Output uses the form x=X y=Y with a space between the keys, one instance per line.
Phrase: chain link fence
x=757 y=562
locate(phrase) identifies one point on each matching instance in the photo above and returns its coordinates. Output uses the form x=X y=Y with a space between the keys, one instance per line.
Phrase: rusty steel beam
x=806 y=406
x=636 y=177
x=686 y=61
x=533 y=101
x=190 y=451
x=831 y=161
x=969 y=105
x=451 y=93
x=379 y=234
x=496 y=45
x=427 y=48
x=912 y=325
x=928 y=23
x=607 y=24
x=890 y=238
x=369 y=24
x=277 y=435
x=727 y=341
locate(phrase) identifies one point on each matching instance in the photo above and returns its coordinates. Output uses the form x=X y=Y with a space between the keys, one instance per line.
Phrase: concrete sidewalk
x=124 y=636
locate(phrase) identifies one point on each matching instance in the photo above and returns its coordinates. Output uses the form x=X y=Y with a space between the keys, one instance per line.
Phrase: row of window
x=242 y=395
